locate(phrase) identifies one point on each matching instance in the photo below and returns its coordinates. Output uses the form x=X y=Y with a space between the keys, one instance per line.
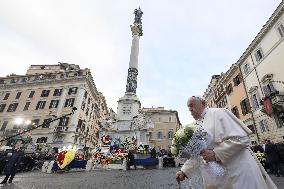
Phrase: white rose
x=174 y=142
x=181 y=133
x=174 y=150
x=192 y=125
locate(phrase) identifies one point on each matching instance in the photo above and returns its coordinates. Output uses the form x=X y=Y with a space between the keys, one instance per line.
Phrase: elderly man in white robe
x=229 y=146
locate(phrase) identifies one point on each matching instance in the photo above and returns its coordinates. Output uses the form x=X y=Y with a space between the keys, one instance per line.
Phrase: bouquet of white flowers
x=188 y=142
x=181 y=138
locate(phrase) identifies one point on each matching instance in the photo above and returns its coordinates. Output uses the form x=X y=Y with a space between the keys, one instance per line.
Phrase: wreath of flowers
x=65 y=156
x=127 y=143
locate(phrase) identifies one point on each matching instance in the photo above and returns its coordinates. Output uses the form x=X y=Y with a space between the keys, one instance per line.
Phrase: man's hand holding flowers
x=208 y=155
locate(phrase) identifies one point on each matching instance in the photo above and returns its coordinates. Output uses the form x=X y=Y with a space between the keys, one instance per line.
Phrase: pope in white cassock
x=229 y=146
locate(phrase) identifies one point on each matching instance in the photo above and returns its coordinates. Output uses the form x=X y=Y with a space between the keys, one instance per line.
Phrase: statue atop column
x=138 y=15
x=136 y=28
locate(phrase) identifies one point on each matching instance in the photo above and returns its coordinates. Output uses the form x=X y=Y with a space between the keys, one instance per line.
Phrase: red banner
x=267 y=106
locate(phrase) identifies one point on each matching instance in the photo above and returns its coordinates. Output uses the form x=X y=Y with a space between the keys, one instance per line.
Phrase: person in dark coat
x=130 y=160
x=13 y=164
x=273 y=157
x=258 y=148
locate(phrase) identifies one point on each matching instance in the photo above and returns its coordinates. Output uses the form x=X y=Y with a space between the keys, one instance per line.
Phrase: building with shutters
x=166 y=123
x=262 y=67
x=47 y=92
x=253 y=87
x=227 y=91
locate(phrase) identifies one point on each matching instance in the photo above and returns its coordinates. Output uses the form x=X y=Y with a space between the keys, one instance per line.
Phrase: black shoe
x=11 y=179
x=277 y=175
x=3 y=182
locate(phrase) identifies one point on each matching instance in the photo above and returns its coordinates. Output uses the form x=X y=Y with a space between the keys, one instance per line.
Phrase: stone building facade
x=253 y=87
x=48 y=92
x=262 y=66
x=227 y=91
x=166 y=123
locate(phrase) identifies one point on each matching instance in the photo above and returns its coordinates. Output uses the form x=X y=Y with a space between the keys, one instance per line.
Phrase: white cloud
x=184 y=42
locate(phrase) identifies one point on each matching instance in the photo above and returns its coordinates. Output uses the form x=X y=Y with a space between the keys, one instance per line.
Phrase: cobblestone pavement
x=103 y=179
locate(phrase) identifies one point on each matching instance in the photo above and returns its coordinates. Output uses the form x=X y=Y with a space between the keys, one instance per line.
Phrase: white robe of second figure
x=230 y=143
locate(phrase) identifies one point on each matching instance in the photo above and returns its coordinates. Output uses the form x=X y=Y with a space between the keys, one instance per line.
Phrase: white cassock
x=230 y=143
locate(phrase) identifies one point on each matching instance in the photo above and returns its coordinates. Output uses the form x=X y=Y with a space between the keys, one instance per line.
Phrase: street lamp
x=20 y=123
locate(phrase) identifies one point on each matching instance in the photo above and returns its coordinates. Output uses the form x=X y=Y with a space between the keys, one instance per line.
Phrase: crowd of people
x=16 y=160
x=271 y=156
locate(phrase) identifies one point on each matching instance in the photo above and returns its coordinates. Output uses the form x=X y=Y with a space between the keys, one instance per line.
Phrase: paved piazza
x=103 y=179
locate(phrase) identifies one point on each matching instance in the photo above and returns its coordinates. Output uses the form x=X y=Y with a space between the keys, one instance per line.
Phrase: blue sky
x=185 y=42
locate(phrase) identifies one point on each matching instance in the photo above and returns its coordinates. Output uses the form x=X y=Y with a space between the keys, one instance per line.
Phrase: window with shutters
x=235 y=111
x=4 y=125
x=280 y=29
x=31 y=95
x=222 y=103
x=80 y=122
x=6 y=96
x=24 y=79
x=53 y=104
x=69 y=102
x=41 y=140
x=245 y=106
x=52 y=76
x=64 y=121
x=12 y=107
x=160 y=135
x=2 y=107
x=72 y=90
x=57 y=92
x=27 y=105
x=246 y=68
x=35 y=122
x=280 y=120
x=14 y=80
x=40 y=105
x=237 y=80
x=268 y=89
x=45 y=93
x=46 y=123
x=263 y=125
x=18 y=95
x=258 y=55
x=170 y=134
x=229 y=89
x=83 y=106
x=87 y=111
x=255 y=102
x=150 y=136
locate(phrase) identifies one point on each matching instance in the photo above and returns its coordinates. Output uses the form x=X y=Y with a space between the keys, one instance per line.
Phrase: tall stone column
x=137 y=31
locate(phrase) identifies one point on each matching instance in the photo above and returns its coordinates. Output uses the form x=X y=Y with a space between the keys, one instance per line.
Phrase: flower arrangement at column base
x=65 y=156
